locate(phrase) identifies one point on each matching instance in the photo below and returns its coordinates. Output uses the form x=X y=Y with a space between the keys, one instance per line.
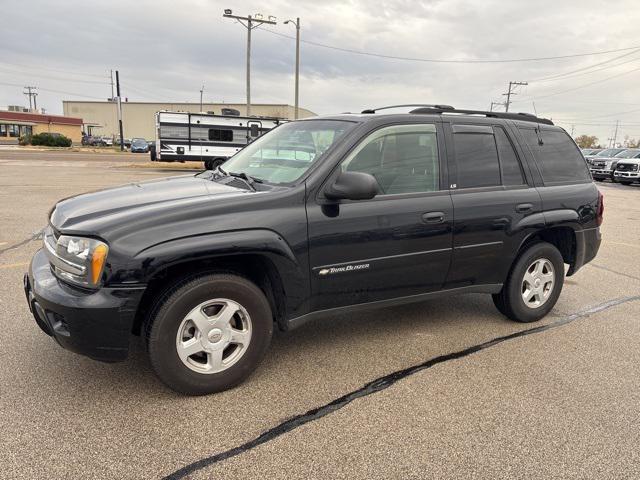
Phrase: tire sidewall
x=538 y=251
x=162 y=335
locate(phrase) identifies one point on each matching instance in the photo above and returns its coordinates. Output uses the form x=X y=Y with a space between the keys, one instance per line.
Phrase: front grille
x=627 y=167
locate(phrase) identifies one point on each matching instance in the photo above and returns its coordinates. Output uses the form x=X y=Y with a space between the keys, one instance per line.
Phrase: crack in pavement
x=35 y=236
x=380 y=384
x=601 y=267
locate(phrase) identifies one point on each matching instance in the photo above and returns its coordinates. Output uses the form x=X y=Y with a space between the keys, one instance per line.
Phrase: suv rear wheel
x=534 y=284
x=209 y=333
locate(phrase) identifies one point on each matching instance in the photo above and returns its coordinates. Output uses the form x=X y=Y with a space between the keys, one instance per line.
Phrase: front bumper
x=93 y=323
x=601 y=173
x=626 y=175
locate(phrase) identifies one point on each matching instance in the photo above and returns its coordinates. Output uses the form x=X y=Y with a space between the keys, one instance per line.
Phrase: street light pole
x=297 y=24
x=201 y=91
x=251 y=23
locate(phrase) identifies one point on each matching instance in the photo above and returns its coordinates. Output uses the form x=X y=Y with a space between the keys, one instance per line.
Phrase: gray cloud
x=166 y=50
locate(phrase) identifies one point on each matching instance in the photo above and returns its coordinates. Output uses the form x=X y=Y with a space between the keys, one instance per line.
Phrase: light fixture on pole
x=249 y=23
x=297 y=25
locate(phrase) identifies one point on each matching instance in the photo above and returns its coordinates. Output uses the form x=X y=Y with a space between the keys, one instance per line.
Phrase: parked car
x=602 y=167
x=139 y=145
x=589 y=152
x=329 y=214
x=106 y=141
x=628 y=171
x=605 y=153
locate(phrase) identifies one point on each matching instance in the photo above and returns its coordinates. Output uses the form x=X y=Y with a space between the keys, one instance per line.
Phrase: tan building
x=138 y=118
x=14 y=125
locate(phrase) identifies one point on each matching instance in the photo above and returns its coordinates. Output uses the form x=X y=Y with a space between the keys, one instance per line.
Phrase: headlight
x=78 y=260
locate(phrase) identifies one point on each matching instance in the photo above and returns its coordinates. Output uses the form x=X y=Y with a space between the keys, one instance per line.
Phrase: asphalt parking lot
x=442 y=389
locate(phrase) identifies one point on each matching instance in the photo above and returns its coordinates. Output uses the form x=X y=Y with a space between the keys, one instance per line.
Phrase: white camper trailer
x=212 y=139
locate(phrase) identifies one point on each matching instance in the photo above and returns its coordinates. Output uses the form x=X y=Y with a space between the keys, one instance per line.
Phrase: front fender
x=203 y=247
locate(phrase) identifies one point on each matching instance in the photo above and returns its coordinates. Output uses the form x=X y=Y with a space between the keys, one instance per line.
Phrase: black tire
x=599 y=179
x=152 y=153
x=208 y=164
x=626 y=183
x=510 y=302
x=162 y=329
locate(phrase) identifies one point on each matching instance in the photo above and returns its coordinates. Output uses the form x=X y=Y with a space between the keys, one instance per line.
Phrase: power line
x=434 y=60
x=52 y=91
x=69 y=72
x=580 y=86
x=588 y=70
x=50 y=77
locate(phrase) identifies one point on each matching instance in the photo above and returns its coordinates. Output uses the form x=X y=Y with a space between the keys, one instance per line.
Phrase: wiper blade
x=243 y=176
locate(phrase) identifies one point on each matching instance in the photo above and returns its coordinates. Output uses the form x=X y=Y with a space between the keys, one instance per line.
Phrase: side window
x=557 y=156
x=403 y=159
x=509 y=163
x=219 y=135
x=476 y=160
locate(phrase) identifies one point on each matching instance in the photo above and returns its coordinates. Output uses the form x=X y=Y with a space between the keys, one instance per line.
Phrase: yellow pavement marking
x=14 y=265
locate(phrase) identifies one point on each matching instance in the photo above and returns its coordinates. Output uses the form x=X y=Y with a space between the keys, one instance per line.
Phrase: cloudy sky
x=165 y=50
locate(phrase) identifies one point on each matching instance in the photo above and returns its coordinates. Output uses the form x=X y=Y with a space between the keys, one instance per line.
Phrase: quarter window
x=403 y=159
x=476 y=160
x=557 y=156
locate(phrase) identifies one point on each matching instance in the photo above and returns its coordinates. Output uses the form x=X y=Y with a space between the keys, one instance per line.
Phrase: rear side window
x=511 y=170
x=556 y=155
x=476 y=160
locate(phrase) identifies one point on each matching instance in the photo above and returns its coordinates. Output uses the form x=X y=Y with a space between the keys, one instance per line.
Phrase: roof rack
x=526 y=117
x=425 y=105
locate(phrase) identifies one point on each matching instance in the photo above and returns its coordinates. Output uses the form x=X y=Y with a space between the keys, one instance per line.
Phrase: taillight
x=600 y=214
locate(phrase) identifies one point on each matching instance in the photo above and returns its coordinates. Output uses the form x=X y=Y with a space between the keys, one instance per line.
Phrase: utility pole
x=495 y=104
x=111 y=77
x=572 y=129
x=201 y=91
x=297 y=24
x=511 y=92
x=119 y=112
x=615 y=134
x=251 y=22
x=31 y=92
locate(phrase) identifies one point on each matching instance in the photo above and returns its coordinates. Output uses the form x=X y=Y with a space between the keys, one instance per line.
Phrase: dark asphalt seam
x=612 y=271
x=380 y=384
x=36 y=236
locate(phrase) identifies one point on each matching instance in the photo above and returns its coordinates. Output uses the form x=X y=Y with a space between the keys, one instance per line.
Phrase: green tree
x=587 y=141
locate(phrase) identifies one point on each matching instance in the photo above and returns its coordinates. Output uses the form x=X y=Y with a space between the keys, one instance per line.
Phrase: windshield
x=610 y=152
x=138 y=141
x=285 y=153
x=628 y=154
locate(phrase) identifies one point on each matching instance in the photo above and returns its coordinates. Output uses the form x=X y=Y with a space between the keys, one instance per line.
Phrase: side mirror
x=352 y=186
x=255 y=130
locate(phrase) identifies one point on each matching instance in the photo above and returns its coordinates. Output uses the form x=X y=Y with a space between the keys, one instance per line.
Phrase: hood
x=136 y=199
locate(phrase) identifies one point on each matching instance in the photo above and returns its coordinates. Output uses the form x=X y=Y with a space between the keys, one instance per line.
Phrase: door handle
x=433 y=217
x=524 y=207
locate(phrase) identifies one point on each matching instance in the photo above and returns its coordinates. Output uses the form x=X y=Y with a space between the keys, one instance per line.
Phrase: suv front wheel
x=533 y=285
x=209 y=333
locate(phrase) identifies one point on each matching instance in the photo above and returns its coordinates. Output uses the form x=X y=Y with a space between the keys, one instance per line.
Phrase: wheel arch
x=562 y=237
x=261 y=256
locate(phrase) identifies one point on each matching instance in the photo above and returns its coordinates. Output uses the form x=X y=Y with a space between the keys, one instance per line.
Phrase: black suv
x=327 y=214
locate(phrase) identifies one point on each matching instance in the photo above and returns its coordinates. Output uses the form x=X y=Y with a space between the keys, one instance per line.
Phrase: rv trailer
x=210 y=138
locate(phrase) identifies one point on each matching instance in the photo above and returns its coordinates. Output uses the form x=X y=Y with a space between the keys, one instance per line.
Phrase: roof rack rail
x=526 y=117
x=426 y=105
